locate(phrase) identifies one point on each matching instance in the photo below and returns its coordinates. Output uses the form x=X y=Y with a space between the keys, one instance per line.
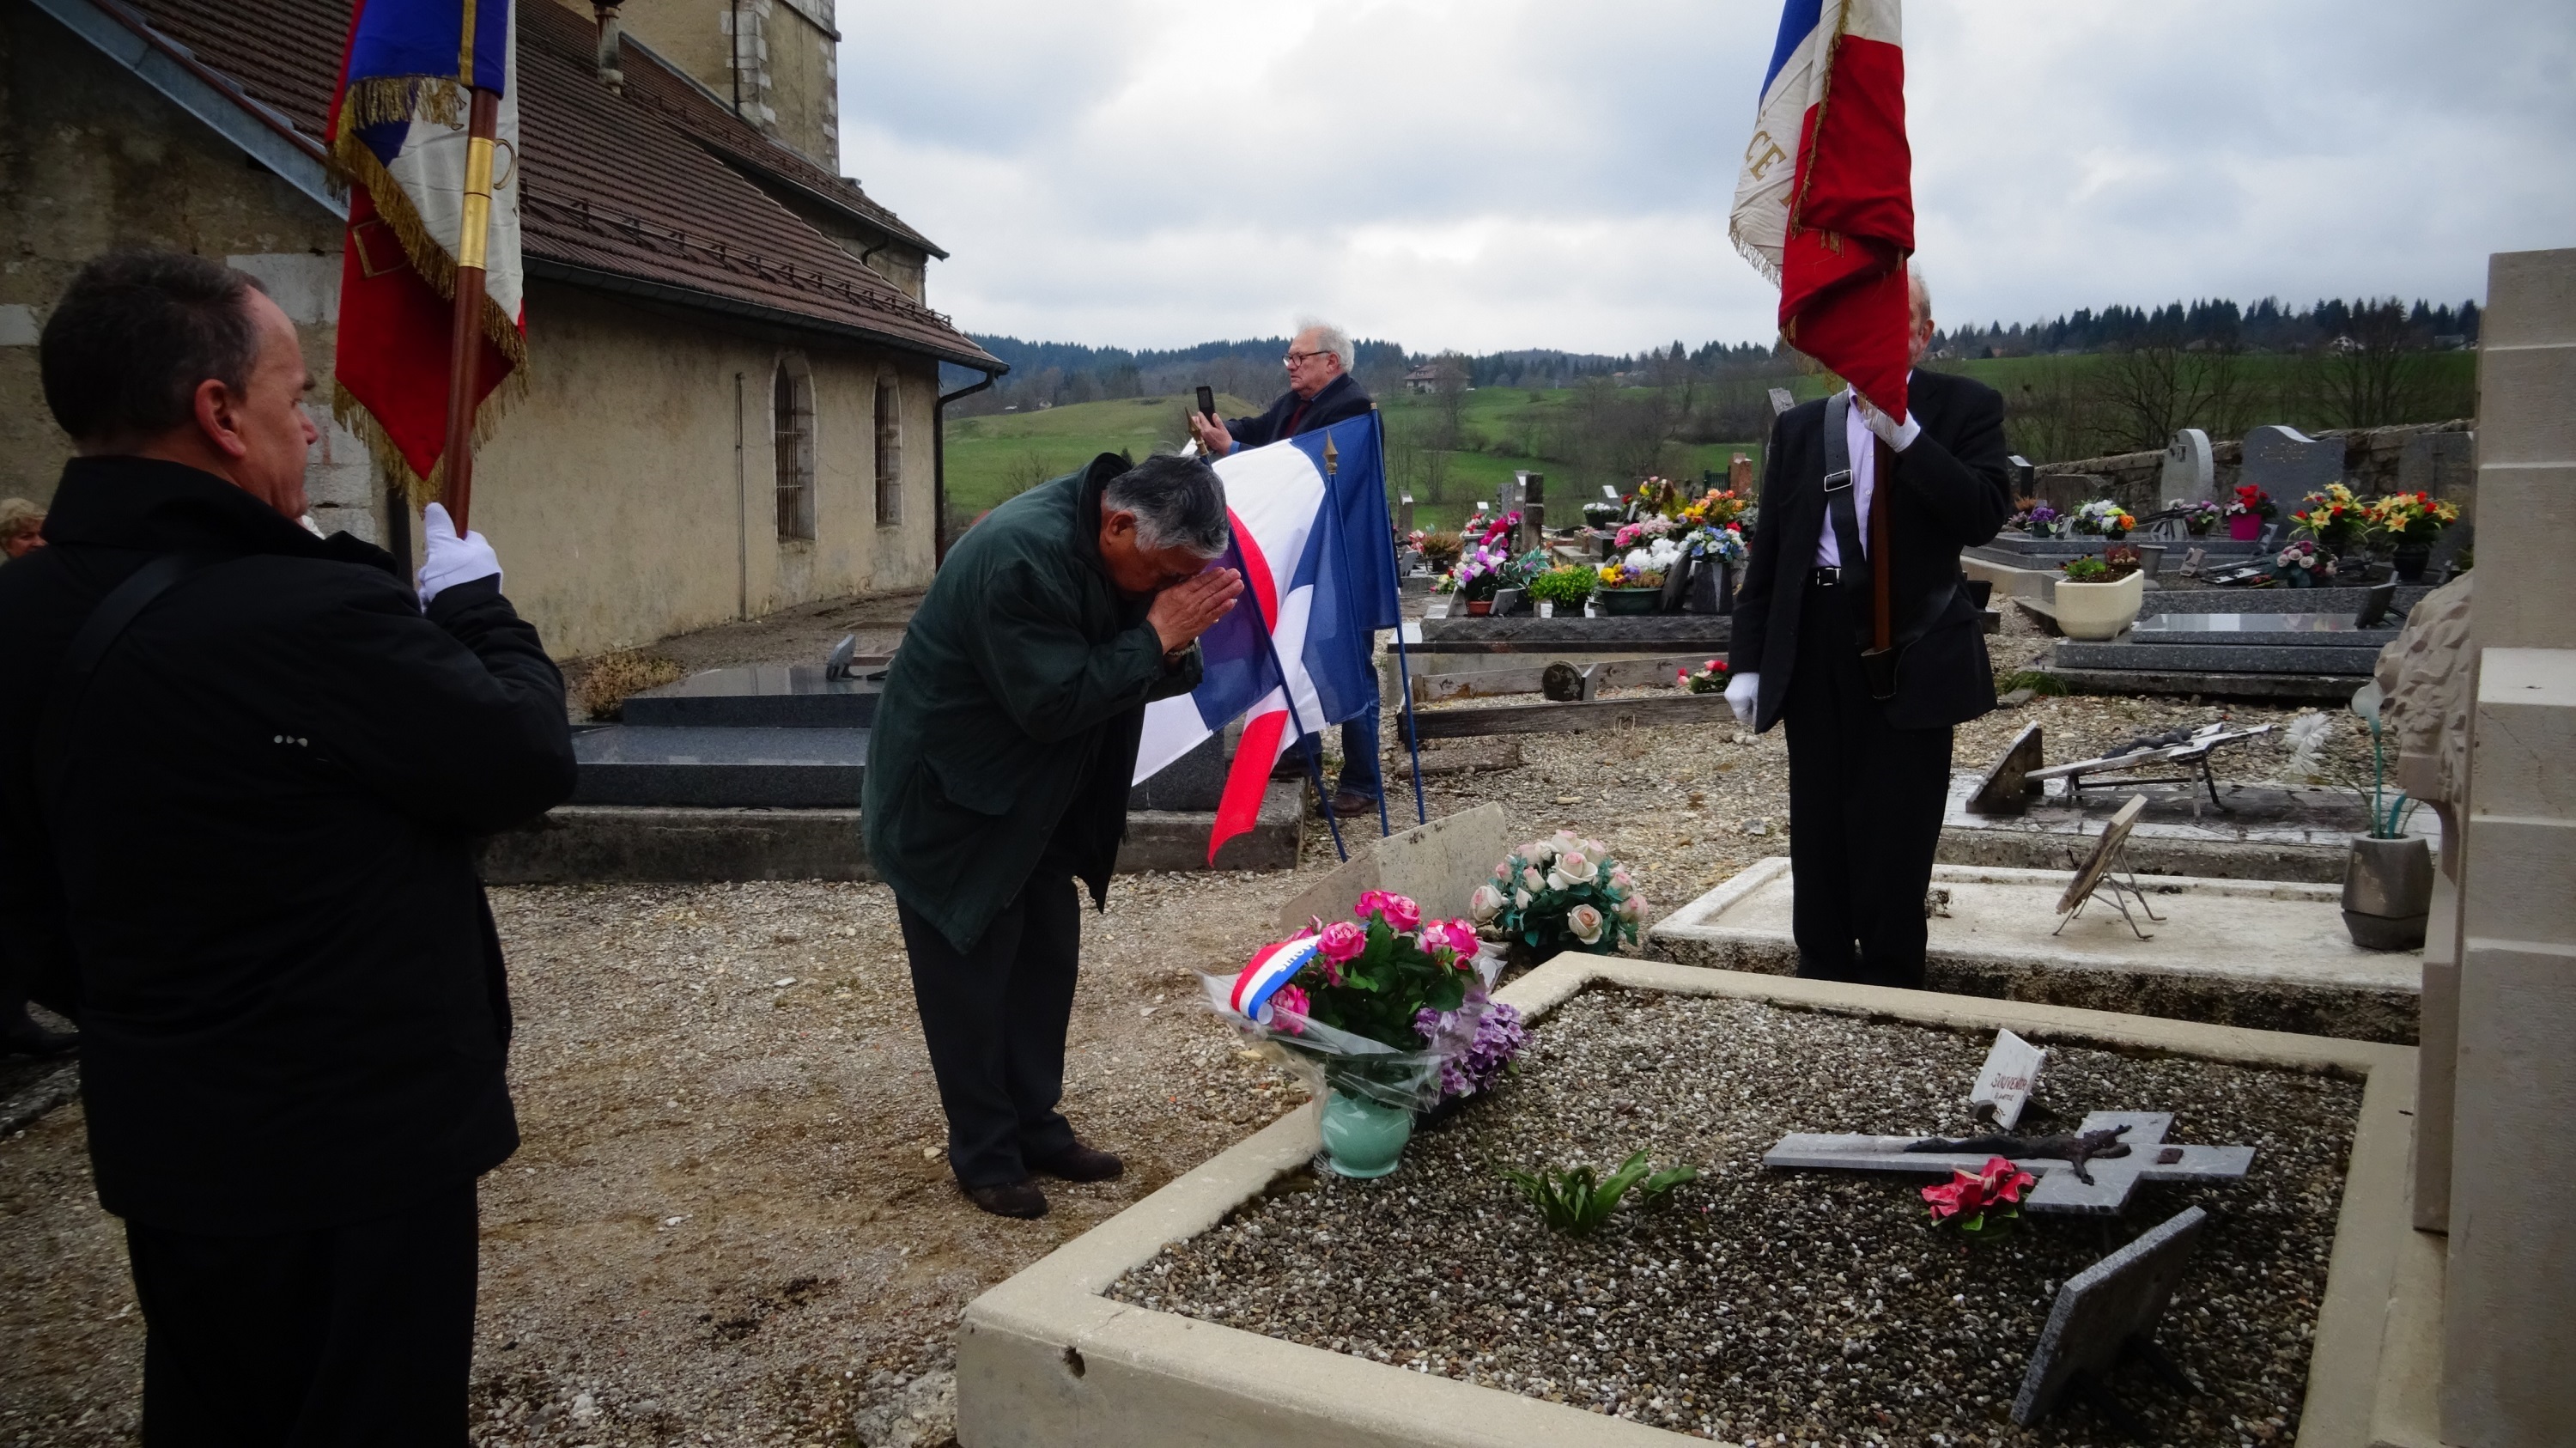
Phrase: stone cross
x=2106 y=1313
x=2114 y=1177
x=2189 y=474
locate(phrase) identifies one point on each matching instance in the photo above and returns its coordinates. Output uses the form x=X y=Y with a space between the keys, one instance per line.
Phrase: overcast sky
x=1500 y=173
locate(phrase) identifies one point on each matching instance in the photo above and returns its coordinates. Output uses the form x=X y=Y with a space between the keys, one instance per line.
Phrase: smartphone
x=1207 y=401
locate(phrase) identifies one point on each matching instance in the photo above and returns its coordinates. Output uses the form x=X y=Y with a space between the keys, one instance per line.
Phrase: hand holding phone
x=1207 y=402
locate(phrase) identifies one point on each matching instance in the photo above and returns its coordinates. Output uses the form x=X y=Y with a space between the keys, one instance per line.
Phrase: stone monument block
x=1193 y=783
x=2444 y=464
x=2190 y=475
x=1439 y=865
x=2288 y=463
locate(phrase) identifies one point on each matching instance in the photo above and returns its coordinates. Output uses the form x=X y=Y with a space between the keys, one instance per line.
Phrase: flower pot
x=1479 y=607
x=1628 y=602
x=2409 y=561
x=2098 y=611
x=2295 y=576
x=1363 y=1138
x=1547 y=608
x=2245 y=527
x=2387 y=892
x=1712 y=588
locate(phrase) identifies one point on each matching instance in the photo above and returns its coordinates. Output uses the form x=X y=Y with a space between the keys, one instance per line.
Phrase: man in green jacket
x=998 y=774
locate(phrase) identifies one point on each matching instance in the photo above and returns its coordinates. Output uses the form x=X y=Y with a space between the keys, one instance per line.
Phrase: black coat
x=1952 y=491
x=1340 y=400
x=246 y=869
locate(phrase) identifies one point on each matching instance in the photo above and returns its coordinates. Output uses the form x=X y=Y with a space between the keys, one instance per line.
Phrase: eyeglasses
x=1293 y=358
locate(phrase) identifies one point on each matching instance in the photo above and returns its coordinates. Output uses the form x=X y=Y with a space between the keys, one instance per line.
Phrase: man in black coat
x=1321 y=392
x=1868 y=777
x=242 y=767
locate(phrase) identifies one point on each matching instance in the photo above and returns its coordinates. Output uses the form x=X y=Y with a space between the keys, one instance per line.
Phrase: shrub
x=612 y=677
x=1566 y=586
x=1441 y=550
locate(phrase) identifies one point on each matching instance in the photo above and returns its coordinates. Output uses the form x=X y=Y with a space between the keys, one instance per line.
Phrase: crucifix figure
x=2090 y=1172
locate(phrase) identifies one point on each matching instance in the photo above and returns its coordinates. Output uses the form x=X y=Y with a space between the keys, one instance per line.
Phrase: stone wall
x=2416 y=456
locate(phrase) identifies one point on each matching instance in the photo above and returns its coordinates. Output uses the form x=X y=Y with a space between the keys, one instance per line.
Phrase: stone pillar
x=2509 y=1336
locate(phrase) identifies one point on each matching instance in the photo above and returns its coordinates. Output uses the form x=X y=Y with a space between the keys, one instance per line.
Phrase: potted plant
x=1562 y=588
x=1719 y=549
x=2388 y=877
x=1440 y=551
x=2410 y=522
x=2103 y=518
x=2302 y=564
x=2098 y=597
x=2338 y=521
x=1386 y=1012
x=1475 y=579
x=2246 y=515
x=2198 y=519
x=1558 y=894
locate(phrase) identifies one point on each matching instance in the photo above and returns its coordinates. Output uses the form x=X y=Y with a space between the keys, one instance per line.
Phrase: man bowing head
x=1869 y=754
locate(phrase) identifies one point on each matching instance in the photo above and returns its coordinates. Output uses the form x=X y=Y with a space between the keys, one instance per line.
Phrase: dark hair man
x=1867 y=777
x=1321 y=392
x=998 y=772
x=241 y=771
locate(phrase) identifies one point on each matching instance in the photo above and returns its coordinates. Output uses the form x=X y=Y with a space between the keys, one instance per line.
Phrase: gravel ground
x=1754 y=1306
x=810 y=1288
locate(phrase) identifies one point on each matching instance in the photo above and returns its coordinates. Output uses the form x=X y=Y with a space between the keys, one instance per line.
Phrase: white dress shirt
x=1863 y=445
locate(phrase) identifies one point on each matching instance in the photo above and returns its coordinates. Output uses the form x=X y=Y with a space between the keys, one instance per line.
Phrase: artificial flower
x=1521 y=899
x=1587 y=923
x=1399 y=913
x=1288 y=1010
x=1578 y=866
x=1632 y=909
x=1532 y=880
x=1485 y=903
x=1620 y=879
x=1341 y=941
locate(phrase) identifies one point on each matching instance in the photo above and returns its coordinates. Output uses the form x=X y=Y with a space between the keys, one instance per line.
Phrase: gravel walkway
x=1752 y=1304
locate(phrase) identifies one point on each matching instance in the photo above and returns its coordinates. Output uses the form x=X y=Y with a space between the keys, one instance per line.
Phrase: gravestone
x=1533 y=491
x=1438 y=865
x=2444 y=464
x=2189 y=476
x=1404 y=514
x=724 y=766
x=1781 y=401
x=2024 y=475
x=2108 y=1312
x=1193 y=783
x=2288 y=463
x=2004 y=1083
x=2007 y=788
x=1739 y=474
x=2060 y=1189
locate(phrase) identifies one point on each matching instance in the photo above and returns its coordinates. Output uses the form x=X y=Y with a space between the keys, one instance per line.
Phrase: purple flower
x=1475 y=1063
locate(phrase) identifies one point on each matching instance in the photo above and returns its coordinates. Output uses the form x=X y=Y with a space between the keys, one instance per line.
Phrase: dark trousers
x=362 y=1334
x=1865 y=804
x=995 y=1019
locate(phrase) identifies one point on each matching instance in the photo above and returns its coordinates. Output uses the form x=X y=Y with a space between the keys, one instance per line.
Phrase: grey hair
x=1917 y=287
x=1178 y=503
x=1331 y=339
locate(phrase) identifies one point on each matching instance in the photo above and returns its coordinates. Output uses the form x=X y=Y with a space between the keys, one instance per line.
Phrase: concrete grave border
x=1045 y=1359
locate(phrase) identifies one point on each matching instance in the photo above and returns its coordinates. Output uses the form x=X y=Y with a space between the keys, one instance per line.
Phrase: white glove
x=1897 y=435
x=1743 y=692
x=452 y=560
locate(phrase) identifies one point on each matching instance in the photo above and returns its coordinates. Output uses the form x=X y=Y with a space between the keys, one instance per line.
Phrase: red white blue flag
x=398 y=136
x=1825 y=203
x=1314 y=545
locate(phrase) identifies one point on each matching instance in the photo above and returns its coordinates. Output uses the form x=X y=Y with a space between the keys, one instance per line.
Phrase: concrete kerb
x=1044 y=1359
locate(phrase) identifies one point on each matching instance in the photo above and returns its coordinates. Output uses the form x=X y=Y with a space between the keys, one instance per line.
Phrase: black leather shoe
x=1079 y=1163
x=1011 y=1199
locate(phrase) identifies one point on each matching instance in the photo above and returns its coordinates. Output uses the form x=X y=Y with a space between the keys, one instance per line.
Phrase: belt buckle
x=1829 y=577
x=1836 y=482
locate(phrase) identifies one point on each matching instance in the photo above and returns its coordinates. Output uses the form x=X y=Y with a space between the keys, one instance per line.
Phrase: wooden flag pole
x=465 y=337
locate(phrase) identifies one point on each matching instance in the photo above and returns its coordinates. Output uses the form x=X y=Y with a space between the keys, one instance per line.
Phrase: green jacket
x=1012 y=711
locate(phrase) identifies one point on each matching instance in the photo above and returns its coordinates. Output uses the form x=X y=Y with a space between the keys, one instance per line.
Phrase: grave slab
x=2334 y=689
x=2266 y=832
x=2259 y=630
x=2273 y=955
x=2214 y=658
x=2344 y=601
x=777 y=768
x=1045 y=1358
x=793 y=696
x=1661 y=633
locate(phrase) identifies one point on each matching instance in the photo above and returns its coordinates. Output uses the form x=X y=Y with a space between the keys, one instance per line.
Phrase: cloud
x=1505 y=173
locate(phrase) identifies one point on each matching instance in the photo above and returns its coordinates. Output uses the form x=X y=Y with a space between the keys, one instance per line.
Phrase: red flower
x=1968 y=1196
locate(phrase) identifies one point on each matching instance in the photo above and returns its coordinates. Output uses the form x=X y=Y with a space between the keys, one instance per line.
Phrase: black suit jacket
x=1951 y=491
x=247 y=868
x=1340 y=400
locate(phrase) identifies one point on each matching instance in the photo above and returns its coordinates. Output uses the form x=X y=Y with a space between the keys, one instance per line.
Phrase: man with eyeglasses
x=1321 y=392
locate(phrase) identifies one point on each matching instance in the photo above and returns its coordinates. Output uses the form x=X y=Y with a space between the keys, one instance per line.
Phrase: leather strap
x=1881 y=592
x=98 y=634
x=1838 y=487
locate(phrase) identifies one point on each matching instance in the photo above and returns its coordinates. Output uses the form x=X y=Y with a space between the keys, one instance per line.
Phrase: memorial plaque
x=2004 y=1083
x=2106 y=851
x=2007 y=787
x=2108 y=1312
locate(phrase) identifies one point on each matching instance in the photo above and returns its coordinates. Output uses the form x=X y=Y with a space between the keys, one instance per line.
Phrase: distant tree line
x=2266 y=326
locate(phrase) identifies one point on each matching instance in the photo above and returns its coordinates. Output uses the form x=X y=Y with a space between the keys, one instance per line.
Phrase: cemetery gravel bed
x=1759 y=1306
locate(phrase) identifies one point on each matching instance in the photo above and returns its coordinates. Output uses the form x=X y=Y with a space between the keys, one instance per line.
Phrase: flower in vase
x=1485 y=904
x=1400 y=913
x=1587 y=923
x=1288 y=1010
x=1341 y=941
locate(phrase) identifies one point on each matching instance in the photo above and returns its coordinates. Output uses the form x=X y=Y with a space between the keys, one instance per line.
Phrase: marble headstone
x=2189 y=475
x=2107 y=1311
x=2288 y=463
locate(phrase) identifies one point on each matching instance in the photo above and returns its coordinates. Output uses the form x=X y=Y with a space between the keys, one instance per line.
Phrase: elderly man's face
x=268 y=420
x=1136 y=569
x=1918 y=331
x=1311 y=368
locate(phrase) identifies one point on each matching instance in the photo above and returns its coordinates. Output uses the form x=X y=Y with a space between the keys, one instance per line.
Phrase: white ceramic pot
x=2099 y=611
x=1546 y=608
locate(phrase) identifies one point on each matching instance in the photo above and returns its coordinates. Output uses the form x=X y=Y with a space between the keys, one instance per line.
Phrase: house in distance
x=733 y=383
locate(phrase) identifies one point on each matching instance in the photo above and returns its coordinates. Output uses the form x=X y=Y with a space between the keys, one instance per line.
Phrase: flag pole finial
x=1332 y=457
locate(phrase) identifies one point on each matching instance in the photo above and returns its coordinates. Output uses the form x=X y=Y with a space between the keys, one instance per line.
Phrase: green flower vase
x=1363 y=1138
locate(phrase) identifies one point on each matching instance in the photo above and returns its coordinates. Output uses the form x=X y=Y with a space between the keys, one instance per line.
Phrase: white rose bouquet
x=1558 y=894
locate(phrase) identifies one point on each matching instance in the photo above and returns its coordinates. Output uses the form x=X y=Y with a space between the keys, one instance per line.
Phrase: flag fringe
x=356 y=165
x=1760 y=259
x=390 y=464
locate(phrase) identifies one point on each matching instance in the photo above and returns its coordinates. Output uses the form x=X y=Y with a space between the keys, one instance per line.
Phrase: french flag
x=398 y=137
x=1315 y=547
x=1825 y=203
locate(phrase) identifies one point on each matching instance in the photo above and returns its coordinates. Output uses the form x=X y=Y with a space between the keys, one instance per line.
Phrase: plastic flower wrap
x=1378 y=1006
x=1562 y=893
x=1981 y=1201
